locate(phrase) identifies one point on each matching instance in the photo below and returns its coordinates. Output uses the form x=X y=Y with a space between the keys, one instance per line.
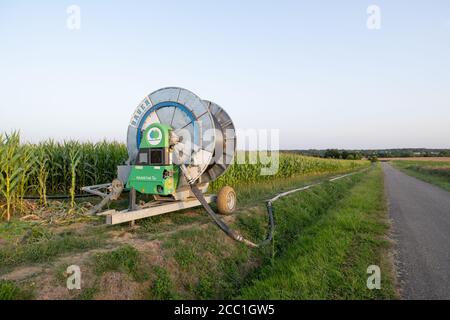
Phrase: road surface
x=421 y=229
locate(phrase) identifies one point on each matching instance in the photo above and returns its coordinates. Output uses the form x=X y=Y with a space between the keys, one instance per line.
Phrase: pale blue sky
x=311 y=69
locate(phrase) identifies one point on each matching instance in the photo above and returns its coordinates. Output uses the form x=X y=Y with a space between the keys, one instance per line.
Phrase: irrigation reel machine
x=177 y=144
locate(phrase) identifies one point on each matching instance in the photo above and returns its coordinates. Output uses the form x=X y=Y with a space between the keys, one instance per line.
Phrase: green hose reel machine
x=177 y=144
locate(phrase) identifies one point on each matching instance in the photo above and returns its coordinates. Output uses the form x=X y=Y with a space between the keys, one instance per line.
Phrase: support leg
x=132 y=199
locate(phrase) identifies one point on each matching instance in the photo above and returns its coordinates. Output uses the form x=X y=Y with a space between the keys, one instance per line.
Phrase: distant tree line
x=370 y=154
x=406 y=153
x=342 y=154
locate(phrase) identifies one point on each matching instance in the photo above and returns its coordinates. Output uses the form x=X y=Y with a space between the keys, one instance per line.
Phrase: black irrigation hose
x=58 y=197
x=230 y=232
x=271 y=226
x=61 y=197
x=270 y=212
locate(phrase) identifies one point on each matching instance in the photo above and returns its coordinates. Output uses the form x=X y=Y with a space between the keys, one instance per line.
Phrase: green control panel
x=153 y=172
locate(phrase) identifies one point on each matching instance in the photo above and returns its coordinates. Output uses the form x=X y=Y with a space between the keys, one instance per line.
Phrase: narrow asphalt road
x=421 y=229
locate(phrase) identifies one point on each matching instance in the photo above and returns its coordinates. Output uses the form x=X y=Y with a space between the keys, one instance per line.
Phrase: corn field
x=54 y=168
x=290 y=165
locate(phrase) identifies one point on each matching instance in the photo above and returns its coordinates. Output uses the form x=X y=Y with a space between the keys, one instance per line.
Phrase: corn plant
x=2 y=177
x=10 y=170
x=74 y=156
x=42 y=175
x=27 y=164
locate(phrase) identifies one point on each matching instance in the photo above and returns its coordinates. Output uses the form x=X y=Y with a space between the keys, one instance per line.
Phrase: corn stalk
x=10 y=171
x=27 y=164
x=42 y=175
x=74 y=156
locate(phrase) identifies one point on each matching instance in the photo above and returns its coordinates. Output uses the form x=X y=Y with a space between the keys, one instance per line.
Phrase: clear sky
x=309 y=68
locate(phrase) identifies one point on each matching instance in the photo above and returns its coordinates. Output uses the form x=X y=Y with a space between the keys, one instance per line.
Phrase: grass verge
x=125 y=259
x=434 y=172
x=328 y=259
x=202 y=263
x=10 y=291
x=250 y=196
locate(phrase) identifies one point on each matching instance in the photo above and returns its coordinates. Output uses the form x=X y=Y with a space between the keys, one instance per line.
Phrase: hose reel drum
x=204 y=134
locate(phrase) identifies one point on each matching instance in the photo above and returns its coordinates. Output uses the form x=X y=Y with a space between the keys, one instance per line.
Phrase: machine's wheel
x=226 y=200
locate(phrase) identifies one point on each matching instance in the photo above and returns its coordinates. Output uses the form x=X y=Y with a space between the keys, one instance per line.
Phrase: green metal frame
x=149 y=178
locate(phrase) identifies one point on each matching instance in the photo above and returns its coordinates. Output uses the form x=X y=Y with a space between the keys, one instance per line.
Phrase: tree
x=332 y=153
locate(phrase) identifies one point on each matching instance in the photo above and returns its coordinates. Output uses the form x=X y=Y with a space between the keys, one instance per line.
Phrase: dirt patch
x=165 y=234
x=78 y=227
x=50 y=290
x=120 y=235
x=191 y=214
x=150 y=247
x=50 y=285
x=22 y=273
x=81 y=258
x=117 y=286
x=151 y=250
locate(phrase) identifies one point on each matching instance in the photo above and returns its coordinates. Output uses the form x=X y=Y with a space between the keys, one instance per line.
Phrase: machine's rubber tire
x=226 y=200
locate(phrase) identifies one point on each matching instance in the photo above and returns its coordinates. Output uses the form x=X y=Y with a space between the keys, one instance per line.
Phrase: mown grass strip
x=434 y=172
x=329 y=259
